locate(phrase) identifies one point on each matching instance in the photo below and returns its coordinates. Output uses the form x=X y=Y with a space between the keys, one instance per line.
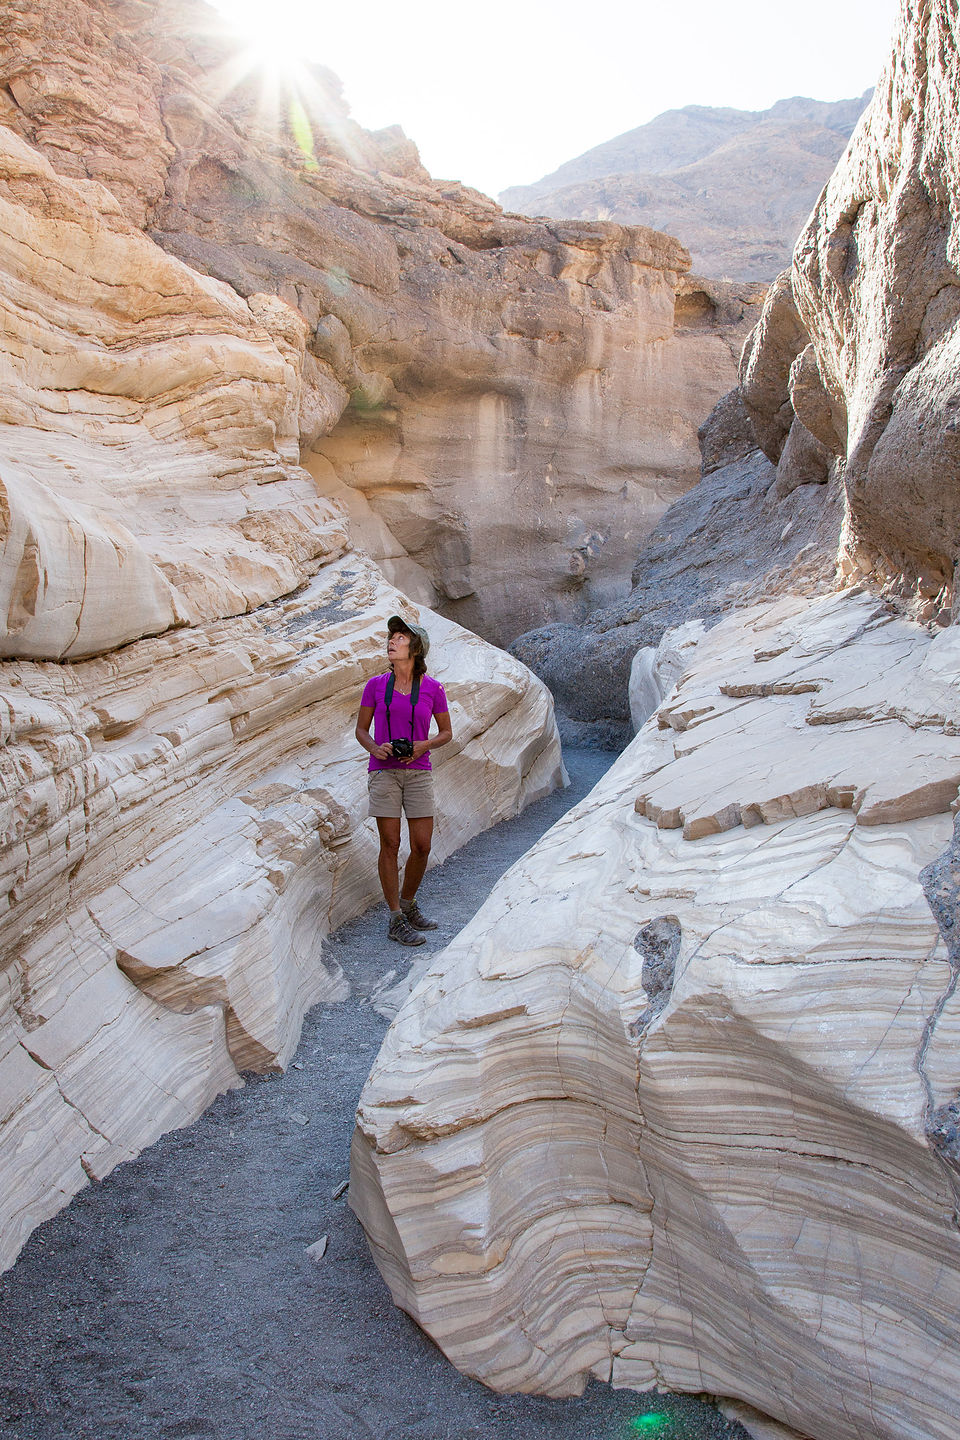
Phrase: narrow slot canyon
x=177 y=1298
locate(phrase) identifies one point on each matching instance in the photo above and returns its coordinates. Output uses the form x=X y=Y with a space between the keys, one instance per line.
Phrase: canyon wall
x=854 y=359
x=186 y=626
x=249 y=350
x=848 y=399
x=679 y=1106
x=504 y=406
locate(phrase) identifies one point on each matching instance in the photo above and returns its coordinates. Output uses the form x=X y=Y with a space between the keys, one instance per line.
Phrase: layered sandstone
x=183 y=815
x=184 y=824
x=704 y=1038
x=506 y=406
x=148 y=437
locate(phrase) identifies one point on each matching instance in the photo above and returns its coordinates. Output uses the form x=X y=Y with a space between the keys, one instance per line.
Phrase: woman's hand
x=382 y=752
x=420 y=747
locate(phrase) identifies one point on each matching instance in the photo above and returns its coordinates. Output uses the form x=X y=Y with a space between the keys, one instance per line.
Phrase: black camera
x=402 y=748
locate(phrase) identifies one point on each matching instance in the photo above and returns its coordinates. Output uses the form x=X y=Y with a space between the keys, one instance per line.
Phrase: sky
x=501 y=93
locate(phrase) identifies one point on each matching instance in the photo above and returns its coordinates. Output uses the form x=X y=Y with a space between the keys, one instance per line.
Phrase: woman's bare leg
x=387 y=865
x=421 y=836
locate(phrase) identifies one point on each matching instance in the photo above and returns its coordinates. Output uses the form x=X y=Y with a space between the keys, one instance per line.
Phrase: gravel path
x=176 y=1298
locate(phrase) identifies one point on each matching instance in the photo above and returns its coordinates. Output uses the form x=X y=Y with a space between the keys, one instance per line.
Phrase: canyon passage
x=676 y=1108
x=178 y=1298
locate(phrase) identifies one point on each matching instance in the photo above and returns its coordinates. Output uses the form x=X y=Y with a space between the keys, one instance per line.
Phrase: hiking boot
x=416 y=916
x=402 y=931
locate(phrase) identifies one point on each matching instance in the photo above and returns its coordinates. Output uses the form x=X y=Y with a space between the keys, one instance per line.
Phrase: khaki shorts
x=393 y=792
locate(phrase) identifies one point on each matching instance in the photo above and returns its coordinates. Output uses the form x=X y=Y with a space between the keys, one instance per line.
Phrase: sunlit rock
x=514 y=403
x=148 y=451
x=183 y=804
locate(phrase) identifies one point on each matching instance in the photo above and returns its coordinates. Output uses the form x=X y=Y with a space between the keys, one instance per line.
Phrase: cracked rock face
x=679 y=1106
x=856 y=355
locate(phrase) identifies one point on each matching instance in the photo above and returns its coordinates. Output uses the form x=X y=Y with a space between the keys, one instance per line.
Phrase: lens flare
x=265 y=77
x=653 y=1423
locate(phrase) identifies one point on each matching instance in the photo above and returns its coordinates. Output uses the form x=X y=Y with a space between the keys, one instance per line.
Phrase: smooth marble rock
x=183 y=823
x=657 y=668
x=661 y=1113
x=91 y=1072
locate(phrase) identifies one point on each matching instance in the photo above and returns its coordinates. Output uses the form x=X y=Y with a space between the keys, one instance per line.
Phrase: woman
x=400 y=703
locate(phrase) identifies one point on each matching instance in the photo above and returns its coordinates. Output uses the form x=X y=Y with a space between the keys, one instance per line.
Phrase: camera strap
x=414 y=697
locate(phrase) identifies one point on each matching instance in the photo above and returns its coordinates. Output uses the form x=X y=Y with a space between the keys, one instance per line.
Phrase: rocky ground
x=178 y=1299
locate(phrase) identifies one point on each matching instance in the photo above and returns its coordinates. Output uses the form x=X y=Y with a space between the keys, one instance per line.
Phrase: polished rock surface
x=660 y=1114
x=184 y=823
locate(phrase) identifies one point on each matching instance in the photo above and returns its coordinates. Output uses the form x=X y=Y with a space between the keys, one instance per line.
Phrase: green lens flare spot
x=302 y=132
x=650 y=1424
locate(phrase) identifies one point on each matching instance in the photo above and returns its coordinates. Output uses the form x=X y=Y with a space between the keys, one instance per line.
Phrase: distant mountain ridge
x=734 y=185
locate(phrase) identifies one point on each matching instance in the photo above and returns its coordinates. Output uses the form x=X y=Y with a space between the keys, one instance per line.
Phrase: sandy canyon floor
x=177 y=1298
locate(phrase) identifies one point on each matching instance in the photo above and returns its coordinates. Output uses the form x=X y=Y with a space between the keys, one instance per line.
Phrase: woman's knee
x=421 y=837
x=389 y=832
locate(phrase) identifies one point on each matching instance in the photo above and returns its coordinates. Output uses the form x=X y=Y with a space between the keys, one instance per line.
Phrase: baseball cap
x=397 y=622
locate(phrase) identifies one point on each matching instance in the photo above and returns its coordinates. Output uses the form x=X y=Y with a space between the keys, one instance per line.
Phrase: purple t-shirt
x=431 y=701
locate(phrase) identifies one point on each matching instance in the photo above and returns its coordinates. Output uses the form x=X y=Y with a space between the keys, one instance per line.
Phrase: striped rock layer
x=678 y=1107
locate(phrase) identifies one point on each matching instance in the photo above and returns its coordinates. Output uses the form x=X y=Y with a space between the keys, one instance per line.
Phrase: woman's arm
x=362 y=732
x=443 y=736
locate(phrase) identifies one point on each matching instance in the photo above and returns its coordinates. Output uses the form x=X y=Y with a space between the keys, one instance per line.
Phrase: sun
x=291 y=91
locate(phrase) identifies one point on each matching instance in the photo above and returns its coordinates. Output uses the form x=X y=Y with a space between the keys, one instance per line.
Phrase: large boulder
x=690 y=1076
